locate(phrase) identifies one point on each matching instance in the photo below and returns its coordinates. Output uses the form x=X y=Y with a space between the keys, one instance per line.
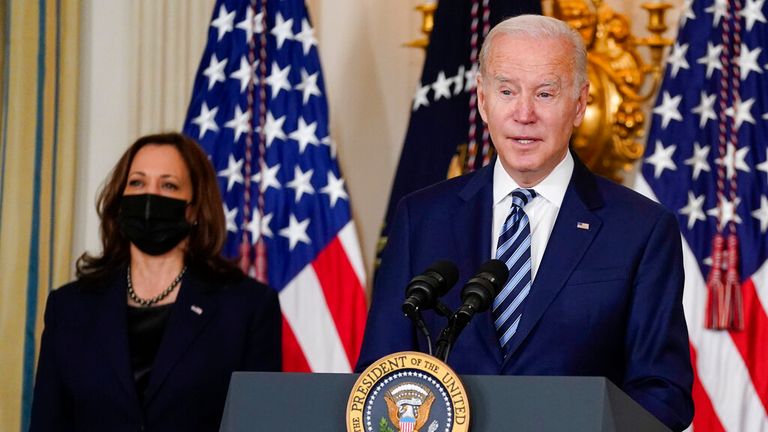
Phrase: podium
x=317 y=402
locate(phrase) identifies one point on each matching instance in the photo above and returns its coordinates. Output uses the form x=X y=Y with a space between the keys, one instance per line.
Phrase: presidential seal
x=408 y=392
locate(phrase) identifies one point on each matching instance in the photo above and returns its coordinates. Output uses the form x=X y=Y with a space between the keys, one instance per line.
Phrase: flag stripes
x=721 y=371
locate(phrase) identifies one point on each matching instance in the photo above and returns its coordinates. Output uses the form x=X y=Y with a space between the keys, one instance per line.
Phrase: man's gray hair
x=541 y=27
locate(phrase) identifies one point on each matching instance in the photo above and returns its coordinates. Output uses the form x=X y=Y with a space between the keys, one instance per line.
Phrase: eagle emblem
x=408 y=406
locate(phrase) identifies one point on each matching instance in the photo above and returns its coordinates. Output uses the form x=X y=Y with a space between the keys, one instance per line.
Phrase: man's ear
x=581 y=104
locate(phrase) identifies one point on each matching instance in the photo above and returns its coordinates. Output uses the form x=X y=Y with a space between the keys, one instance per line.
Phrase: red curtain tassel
x=716 y=289
x=735 y=318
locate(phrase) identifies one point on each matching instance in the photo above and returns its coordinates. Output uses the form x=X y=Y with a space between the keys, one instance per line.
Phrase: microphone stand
x=456 y=324
x=418 y=321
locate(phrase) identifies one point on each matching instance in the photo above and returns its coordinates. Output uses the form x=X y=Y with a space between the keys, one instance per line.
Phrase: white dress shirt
x=542 y=210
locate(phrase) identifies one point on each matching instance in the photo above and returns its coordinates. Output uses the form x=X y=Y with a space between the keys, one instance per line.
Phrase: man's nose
x=523 y=110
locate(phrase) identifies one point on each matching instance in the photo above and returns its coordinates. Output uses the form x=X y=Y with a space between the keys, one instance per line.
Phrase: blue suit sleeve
x=51 y=405
x=659 y=375
x=387 y=329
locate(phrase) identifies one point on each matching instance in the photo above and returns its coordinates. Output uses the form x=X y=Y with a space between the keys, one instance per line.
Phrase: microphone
x=423 y=290
x=476 y=296
x=478 y=293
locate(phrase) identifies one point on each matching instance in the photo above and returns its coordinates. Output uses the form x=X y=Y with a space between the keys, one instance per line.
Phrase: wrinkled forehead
x=514 y=57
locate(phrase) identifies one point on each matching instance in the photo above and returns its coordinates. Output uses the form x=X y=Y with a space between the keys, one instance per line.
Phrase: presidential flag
x=707 y=159
x=446 y=136
x=259 y=110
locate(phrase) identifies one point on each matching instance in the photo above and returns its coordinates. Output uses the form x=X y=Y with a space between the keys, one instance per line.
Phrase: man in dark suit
x=596 y=272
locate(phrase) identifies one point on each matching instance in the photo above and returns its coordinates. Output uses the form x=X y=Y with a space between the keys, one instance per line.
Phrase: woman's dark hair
x=208 y=233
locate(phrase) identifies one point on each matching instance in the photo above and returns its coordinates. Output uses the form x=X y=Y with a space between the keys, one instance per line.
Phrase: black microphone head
x=481 y=289
x=446 y=273
x=497 y=274
x=423 y=290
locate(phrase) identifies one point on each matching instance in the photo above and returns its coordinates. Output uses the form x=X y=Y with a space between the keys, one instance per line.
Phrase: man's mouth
x=524 y=140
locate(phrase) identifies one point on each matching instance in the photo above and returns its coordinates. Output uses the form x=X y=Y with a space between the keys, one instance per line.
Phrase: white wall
x=105 y=117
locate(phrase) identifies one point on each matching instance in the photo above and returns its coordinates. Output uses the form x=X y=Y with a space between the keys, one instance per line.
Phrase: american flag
x=707 y=159
x=259 y=109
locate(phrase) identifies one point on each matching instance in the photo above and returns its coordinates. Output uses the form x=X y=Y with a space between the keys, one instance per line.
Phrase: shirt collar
x=552 y=188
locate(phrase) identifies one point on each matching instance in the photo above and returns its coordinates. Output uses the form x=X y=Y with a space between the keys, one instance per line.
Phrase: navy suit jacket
x=606 y=300
x=84 y=377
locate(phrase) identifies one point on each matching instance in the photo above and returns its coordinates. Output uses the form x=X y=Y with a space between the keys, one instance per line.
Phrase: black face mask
x=154 y=223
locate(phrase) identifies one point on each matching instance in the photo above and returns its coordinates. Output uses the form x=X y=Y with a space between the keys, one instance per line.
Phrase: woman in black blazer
x=148 y=335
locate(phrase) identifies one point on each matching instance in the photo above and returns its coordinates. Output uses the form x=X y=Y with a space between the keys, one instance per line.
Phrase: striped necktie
x=514 y=248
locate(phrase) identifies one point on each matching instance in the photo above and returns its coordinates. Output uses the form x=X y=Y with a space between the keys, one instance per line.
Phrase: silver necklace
x=157 y=298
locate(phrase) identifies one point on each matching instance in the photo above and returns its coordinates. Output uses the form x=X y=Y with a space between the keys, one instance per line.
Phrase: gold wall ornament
x=427 y=24
x=621 y=81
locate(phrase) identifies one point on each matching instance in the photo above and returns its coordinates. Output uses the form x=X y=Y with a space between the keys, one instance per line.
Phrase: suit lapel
x=191 y=312
x=567 y=244
x=473 y=237
x=111 y=331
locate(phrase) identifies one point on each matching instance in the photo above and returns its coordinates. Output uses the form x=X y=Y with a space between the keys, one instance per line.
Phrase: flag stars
x=726 y=212
x=306 y=36
x=699 y=160
x=251 y=23
x=334 y=189
x=206 y=120
x=761 y=214
x=278 y=79
x=240 y=122
x=273 y=128
x=763 y=166
x=267 y=177
x=296 y=232
x=470 y=78
x=734 y=160
x=224 y=22
x=687 y=13
x=705 y=109
x=246 y=73
x=233 y=172
x=445 y=87
x=712 y=59
x=677 y=58
x=421 y=99
x=442 y=86
x=308 y=85
x=458 y=81
x=304 y=134
x=694 y=209
x=752 y=13
x=748 y=61
x=741 y=112
x=719 y=8
x=215 y=71
x=230 y=216
x=282 y=30
x=327 y=141
x=302 y=182
x=259 y=226
x=662 y=159
x=668 y=109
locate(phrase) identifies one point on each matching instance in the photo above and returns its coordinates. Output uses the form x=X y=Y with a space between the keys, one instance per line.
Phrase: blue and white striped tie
x=514 y=248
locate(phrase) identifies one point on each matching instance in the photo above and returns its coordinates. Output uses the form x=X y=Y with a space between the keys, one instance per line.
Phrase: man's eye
x=506 y=92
